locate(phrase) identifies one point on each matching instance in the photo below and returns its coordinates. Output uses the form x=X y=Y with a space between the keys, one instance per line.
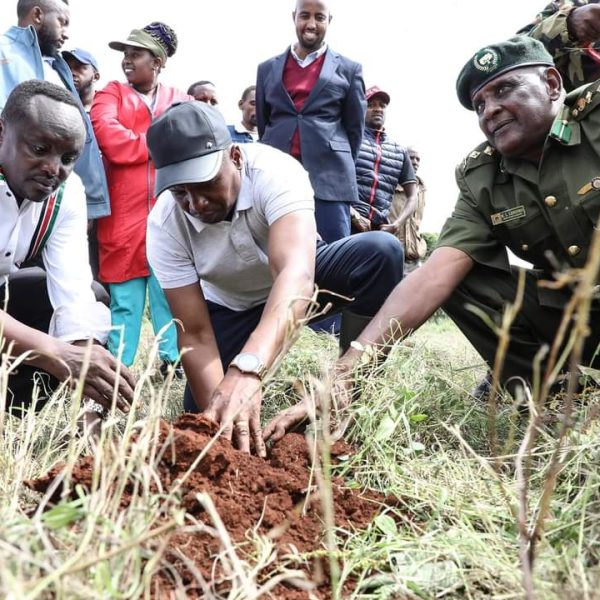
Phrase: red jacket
x=121 y=119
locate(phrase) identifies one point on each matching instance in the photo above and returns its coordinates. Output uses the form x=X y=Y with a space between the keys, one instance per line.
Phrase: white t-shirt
x=230 y=258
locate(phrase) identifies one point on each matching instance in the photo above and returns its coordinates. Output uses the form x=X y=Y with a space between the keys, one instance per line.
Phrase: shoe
x=483 y=388
x=167 y=365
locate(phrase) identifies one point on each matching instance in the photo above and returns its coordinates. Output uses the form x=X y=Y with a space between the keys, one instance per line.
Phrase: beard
x=48 y=43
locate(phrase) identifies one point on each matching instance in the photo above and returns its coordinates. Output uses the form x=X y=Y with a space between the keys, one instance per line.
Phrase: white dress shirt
x=77 y=315
x=309 y=59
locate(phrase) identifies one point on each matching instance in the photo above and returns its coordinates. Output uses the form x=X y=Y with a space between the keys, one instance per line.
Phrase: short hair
x=18 y=104
x=247 y=91
x=24 y=6
x=197 y=83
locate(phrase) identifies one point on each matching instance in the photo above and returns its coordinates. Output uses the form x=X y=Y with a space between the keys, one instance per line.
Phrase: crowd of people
x=227 y=229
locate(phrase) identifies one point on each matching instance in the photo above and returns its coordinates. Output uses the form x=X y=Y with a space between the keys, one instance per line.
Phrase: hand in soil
x=285 y=421
x=288 y=419
x=236 y=403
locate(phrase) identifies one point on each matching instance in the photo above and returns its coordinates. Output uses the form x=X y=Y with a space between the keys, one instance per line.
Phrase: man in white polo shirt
x=51 y=313
x=234 y=245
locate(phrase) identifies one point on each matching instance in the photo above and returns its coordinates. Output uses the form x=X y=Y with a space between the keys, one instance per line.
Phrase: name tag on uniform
x=512 y=214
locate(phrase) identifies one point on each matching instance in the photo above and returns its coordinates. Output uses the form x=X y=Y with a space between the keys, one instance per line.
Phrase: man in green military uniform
x=570 y=30
x=533 y=187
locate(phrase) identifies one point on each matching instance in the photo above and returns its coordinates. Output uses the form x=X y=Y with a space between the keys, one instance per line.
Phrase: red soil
x=249 y=493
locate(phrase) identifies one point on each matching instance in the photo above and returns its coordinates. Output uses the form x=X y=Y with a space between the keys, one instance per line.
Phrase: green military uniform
x=545 y=214
x=550 y=27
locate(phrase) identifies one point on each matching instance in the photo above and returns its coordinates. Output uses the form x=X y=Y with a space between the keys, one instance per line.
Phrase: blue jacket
x=382 y=164
x=331 y=122
x=20 y=60
x=239 y=137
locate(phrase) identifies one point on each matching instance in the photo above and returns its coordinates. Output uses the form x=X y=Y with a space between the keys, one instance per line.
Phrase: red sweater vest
x=299 y=82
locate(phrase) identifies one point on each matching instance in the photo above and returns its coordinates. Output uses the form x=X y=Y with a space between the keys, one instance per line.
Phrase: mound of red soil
x=248 y=493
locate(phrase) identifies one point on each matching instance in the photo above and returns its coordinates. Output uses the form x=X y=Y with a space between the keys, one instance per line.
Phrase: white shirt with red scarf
x=58 y=229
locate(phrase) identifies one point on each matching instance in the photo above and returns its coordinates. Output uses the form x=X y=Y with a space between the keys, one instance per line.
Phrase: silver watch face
x=248 y=362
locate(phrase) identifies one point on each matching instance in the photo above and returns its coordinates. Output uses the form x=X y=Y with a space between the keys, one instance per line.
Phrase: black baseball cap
x=187 y=143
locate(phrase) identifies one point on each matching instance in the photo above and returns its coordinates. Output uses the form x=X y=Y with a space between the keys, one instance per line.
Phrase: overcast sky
x=412 y=49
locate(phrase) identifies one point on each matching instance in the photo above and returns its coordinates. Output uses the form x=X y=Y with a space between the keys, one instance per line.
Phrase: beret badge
x=487 y=60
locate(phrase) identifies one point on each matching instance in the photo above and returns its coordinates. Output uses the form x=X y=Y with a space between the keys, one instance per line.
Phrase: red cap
x=375 y=91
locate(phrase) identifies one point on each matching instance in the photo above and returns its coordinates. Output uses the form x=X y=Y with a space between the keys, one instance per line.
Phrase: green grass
x=419 y=437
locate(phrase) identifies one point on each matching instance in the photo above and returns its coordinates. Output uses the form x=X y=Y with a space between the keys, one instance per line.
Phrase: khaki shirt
x=545 y=214
x=415 y=247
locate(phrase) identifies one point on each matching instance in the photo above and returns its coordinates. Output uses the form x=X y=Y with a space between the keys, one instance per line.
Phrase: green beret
x=495 y=60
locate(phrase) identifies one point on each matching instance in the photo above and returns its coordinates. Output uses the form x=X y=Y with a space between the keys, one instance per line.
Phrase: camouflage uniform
x=415 y=247
x=550 y=28
x=545 y=214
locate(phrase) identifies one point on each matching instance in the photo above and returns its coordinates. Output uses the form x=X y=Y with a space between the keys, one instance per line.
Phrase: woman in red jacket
x=121 y=114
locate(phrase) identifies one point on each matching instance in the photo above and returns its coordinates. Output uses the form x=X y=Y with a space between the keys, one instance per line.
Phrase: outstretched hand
x=236 y=403
x=291 y=417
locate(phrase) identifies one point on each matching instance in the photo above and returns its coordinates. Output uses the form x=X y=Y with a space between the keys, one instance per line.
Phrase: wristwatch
x=249 y=363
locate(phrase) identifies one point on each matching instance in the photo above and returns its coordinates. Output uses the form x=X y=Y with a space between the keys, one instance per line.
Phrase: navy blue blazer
x=331 y=122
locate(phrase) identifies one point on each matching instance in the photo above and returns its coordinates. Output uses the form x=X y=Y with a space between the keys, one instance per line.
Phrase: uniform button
x=550 y=201
x=525 y=247
x=574 y=250
x=7 y=254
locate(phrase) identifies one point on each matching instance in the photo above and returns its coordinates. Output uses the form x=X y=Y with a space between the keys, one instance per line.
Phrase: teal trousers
x=127 y=303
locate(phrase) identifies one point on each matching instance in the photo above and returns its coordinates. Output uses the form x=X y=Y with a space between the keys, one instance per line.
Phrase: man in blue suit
x=310 y=103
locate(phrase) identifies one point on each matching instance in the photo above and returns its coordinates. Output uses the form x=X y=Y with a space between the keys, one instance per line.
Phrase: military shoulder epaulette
x=582 y=100
x=483 y=154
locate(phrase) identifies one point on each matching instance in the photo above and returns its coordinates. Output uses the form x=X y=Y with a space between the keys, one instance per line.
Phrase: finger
x=129 y=377
x=242 y=436
x=259 y=444
x=280 y=431
x=270 y=428
x=93 y=394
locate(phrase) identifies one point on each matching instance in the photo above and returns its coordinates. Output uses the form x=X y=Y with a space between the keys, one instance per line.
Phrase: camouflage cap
x=495 y=60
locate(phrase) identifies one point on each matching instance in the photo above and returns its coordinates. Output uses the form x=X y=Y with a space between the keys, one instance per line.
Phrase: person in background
x=121 y=114
x=204 y=91
x=382 y=164
x=570 y=30
x=415 y=247
x=85 y=71
x=246 y=131
x=310 y=103
x=51 y=312
x=31 y=50
x=531 y=187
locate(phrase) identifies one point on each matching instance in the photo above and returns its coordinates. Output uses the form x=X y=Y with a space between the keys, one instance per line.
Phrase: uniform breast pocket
x=528 y=237
x=591 y=205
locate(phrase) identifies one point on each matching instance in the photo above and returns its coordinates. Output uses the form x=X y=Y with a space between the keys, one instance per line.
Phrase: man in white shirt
x=51 y=314
x=233 y=243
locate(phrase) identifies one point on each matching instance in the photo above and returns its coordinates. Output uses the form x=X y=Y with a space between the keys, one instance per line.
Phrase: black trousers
x=28 y=302
x=536 y=325
x=365 y=267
